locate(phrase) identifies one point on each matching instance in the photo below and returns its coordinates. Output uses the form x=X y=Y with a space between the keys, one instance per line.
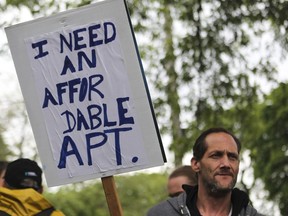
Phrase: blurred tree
x=211 y=65
x=270 y=150
x=88 y=199
x=15 y=126
x=4 y=150
x=80 y=199
x=6 y=118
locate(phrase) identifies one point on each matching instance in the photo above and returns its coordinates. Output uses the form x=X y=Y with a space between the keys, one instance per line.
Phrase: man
x=216 y=162
x=180 y=176
x=22 y=191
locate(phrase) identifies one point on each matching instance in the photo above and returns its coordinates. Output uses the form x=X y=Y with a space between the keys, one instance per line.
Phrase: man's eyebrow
x=223 y=152
x=235 y=154
x=217 y=152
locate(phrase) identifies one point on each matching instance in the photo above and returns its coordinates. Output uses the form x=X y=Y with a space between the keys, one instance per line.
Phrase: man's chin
x=225 y=182
x=221 y=189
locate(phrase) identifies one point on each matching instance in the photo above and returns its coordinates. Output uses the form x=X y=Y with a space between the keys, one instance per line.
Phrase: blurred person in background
x=183 y=175
x=180 y=176
x=21 y=194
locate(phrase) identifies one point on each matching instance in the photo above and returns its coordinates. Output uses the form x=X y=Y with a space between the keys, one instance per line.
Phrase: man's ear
x=195 y=165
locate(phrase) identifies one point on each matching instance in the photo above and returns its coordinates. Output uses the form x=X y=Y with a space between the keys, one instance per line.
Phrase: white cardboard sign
x=86 y=94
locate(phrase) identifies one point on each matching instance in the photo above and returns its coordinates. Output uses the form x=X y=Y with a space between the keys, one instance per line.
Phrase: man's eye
x=233 y=157
x=215 y=156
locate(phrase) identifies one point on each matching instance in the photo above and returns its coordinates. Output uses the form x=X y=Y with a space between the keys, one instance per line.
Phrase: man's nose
x=225 y=161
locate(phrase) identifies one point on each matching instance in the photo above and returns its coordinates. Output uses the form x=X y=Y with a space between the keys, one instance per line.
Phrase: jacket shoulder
x=170 y=207
x=249 y=211
x=163 y=208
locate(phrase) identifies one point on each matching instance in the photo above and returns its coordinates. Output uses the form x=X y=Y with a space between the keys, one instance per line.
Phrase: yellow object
x=24 y=202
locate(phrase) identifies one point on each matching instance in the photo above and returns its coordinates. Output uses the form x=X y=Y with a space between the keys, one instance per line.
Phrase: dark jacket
x=177 y=205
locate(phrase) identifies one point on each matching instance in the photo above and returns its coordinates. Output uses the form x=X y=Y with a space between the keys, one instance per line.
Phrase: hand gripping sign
x=86 y=93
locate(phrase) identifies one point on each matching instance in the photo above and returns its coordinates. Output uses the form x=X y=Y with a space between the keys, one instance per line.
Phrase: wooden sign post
x=111 y=194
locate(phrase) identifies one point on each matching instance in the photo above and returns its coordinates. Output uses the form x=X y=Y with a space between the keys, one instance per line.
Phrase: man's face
x=219 y=166
x=174 y=185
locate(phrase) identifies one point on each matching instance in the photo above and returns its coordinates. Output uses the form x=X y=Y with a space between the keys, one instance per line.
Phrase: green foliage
x=140 y=192
x=80 y=199
x=205 y=70
x=270 y=151
x=4 y=150
x=137 y=193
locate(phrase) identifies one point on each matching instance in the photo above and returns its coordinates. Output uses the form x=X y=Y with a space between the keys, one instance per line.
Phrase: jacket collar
x=239 y=200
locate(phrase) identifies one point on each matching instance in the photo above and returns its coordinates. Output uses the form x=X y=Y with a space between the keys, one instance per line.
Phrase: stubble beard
x=216 y=190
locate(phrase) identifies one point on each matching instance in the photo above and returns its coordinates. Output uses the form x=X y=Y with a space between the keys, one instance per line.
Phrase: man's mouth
x=225 y=174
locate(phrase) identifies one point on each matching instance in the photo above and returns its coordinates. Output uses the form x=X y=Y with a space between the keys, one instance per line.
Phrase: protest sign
x=86 y=94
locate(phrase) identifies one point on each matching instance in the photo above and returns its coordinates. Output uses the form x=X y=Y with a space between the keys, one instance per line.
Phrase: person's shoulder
x=251 y=211
x=169 y=207
x=165 y=207
x=159 y=209
x=4 y=190
x=57 y=213
x=19 y=193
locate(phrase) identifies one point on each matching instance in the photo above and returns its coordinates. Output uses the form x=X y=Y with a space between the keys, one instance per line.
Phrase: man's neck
x=208 y=204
